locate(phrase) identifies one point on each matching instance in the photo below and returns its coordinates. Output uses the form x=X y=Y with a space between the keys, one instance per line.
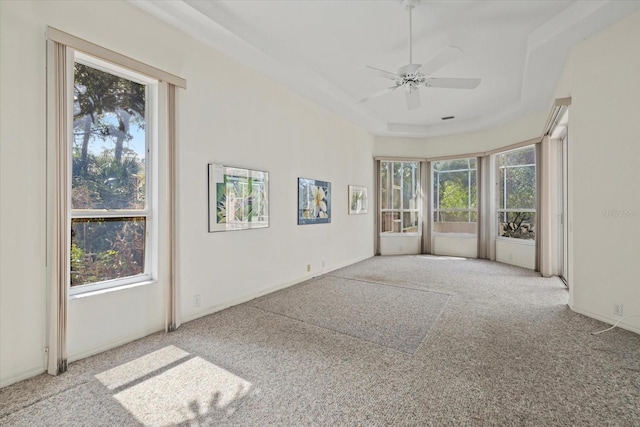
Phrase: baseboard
x=262 y=292
x=346 y=264
x=116 y=342
x=607 y=319
x=20 y=375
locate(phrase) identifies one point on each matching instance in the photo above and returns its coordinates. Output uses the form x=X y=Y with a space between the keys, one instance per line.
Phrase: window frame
x=402 y=210
x=435 y=194
x=500 y=177
x=150 y=273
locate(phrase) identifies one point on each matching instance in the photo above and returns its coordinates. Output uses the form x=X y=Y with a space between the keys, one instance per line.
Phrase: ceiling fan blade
x=377 y=94
x=453 y=82
x=441 y=59
x=413 y=99
x=381 y=73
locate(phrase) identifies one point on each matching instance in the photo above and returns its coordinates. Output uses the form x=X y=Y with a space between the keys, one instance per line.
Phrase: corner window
x=111 y=184
x=400 y=197
x=516 y=182
x=455 y=196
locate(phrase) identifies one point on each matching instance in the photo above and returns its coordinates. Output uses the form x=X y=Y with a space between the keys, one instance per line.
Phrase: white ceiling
x=319 y=48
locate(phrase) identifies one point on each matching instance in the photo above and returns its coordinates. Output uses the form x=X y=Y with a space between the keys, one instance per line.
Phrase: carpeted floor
x=399 y=341
x=390 y=316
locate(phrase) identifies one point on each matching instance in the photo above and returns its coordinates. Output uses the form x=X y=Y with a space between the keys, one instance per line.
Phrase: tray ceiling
x=320 y=49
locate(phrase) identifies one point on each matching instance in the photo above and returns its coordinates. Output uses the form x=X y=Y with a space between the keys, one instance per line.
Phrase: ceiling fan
x=412 y=76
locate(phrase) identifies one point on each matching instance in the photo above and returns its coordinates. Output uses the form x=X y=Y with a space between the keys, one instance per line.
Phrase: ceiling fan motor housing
x=410 y=76
x=409 y=69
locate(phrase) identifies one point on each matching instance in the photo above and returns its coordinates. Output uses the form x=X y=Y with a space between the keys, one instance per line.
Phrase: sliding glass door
x=454 y=226
x=400 y=213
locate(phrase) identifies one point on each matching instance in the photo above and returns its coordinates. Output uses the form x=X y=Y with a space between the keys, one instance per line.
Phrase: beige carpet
x=395 y=317
x=505 y=350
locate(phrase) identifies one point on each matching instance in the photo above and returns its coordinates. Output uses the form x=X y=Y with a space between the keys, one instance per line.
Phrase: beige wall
x=520 y=130
x=601 y=76
x=231 y=114
x=228 y=114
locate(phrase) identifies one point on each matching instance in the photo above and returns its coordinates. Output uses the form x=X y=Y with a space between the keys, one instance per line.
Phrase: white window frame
x=402 y=210
x=150 y=212
x=500 y=211
x=436 y=195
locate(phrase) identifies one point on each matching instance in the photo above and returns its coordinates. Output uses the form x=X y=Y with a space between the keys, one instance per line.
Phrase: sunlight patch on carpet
x=390 y=316
x=172 y=387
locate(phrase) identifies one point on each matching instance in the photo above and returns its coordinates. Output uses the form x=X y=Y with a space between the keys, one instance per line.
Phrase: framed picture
x=238 y=198
x=358 y=201
x=314 y=201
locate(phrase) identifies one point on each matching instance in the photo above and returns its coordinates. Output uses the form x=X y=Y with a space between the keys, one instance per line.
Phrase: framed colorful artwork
x=314 y=201
x=238 y=198
x=358 y=201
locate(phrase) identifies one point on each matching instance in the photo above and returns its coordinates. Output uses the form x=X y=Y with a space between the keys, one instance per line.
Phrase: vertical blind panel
x=58 y=133
x=172 y=309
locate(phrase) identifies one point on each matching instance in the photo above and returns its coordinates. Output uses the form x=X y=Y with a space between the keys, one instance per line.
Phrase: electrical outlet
x=196 y=300
x=617 y=309
x=308 y=267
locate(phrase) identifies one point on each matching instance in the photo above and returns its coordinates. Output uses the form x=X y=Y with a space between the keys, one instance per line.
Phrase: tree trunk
x=85 y=143
x=123 y=126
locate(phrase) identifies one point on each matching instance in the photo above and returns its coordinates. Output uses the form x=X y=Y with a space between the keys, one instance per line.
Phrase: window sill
x=400 y=234
x=458 y=235
x=91 y=293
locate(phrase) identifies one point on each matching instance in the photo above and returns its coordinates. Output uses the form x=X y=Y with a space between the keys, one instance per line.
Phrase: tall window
x=111 y=198
x=517 y=194
x=455 y=196
x=400 y=197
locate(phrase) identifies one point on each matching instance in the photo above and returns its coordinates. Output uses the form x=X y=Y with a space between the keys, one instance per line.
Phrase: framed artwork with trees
x=238 y=198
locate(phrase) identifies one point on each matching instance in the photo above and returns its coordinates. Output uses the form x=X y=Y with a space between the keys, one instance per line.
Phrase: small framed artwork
x=238 y=198
x=314 y=201
x=358 y=201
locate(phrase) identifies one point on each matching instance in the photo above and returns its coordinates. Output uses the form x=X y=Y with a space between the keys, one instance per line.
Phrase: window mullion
x=76 y=213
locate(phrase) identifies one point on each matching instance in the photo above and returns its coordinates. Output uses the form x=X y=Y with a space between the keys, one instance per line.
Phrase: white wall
x=516 y=252
x=22 y=184
x=601 y=76
x=398 y=244
x=455 y=245
x=520 y=130
x=228 y=114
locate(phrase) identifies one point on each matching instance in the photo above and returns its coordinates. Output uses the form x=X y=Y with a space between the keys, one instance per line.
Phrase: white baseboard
x=16 y=376
x=607 y=319
x=254 y=295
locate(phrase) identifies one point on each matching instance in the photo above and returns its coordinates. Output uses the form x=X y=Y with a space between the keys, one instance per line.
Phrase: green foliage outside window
x=455 y=191
x=517 y=194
